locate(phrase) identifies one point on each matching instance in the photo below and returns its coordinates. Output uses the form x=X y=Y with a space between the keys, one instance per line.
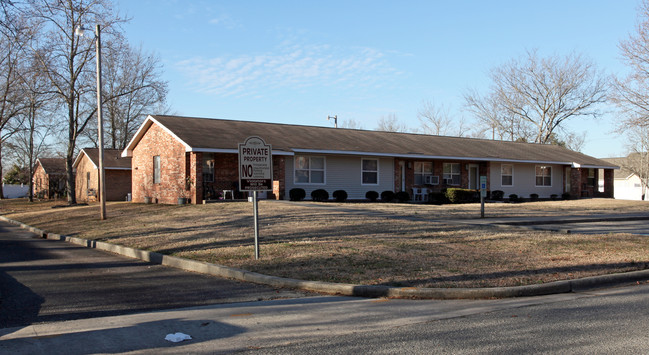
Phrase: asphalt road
x=612 y=321
x=45 y=280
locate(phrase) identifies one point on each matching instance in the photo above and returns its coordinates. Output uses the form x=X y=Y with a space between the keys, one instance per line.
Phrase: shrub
x=372 y=196
x=403 y=196
x=457 y=195
x=565 y=196
x=438 y=198
x=387 y=196
x=340 y=195
x=320 y=195
x=513 y=198
x=553 y=197
x=297 y=194
x=534 y=197
x=497 y=195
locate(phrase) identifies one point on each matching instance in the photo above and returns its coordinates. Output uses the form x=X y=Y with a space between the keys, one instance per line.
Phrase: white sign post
x=255 y=174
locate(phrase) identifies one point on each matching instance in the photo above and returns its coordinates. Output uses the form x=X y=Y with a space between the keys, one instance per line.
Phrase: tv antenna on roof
x=335 y=118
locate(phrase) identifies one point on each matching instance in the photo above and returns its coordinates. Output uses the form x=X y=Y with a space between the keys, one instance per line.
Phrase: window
x=309 y=170
x=88 y=180
x=506 y=175
x=543 y=175
x=591 y=177
x=422 y=170
x=452 y=173
x=370 y=171
x=156 y=169
x=208 y=167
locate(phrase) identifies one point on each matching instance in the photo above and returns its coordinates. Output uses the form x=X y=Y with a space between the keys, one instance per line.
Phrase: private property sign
x=255 y=165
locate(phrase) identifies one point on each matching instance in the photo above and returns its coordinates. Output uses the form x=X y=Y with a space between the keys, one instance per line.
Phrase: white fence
x=14 y=191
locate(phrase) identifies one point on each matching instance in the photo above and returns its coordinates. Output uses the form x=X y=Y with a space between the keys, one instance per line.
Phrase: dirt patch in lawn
x=365 y=243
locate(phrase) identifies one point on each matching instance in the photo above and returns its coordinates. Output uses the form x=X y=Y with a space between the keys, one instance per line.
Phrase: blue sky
x=300 y=61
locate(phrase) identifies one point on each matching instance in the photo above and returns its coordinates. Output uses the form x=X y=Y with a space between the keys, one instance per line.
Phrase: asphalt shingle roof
x=112 y=158
x=205 y=134
x=53 y=166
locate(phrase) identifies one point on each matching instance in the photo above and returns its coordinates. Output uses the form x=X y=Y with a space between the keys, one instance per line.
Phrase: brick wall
x=118 y=184
x=41 y=182
x=575 y=182
x=82 y=186
x=609 y=180
x=157 y=142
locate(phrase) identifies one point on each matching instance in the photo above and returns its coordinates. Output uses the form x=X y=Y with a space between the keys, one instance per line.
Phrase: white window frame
x=512 y=174
x=363 y=171
x=542 y=176
x=423 y=173
x=157 y=169
x=310 y=169
x=451 y=174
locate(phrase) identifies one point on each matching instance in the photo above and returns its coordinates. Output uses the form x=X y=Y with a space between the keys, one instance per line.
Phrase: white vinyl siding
x=344 y=173
x=524 y=179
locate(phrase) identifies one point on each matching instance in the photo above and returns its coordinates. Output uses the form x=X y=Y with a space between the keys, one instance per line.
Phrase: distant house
x=49 y=178
x=627 y=184
x=117 y=171
x=198 y=158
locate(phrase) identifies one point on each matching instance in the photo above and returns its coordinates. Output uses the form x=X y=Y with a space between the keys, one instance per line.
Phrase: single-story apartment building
x=49 y=178
x=197 y=158
x=117 y=171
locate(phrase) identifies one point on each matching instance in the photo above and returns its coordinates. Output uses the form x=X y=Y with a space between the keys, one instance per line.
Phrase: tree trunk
x=2 y=194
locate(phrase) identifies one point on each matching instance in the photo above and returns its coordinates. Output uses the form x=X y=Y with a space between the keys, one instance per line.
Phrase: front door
x=474 y=177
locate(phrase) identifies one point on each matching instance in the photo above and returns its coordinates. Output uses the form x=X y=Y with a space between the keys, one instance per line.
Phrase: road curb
x=347 y=289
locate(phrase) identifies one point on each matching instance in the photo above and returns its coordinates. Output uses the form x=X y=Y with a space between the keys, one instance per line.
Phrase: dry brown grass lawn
x=391 y=244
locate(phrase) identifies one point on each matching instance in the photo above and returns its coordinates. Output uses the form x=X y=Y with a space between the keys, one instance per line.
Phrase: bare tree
x=135 y=89
x=351 y=124
x=436 y=120
x=31 y=140
x=67 y=62
x=496 y=121
x=390 y=123
x=13 y=36
x=631 y=93
x=542 y=93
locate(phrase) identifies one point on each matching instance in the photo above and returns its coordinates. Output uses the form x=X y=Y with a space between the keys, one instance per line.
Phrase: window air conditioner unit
x=432 y=180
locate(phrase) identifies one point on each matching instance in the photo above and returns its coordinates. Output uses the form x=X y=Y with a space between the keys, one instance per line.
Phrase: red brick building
x=197 y=158
x=117 y=171
x=49 y=178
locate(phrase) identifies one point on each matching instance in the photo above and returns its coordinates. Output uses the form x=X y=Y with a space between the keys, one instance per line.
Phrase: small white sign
x=255 y=165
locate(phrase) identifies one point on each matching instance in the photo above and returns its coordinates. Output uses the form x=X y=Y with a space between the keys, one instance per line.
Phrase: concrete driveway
x=45 y=280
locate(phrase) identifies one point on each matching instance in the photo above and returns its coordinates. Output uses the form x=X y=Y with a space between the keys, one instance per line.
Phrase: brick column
x=279 y=177
x=609 y=178
x=575 y=183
